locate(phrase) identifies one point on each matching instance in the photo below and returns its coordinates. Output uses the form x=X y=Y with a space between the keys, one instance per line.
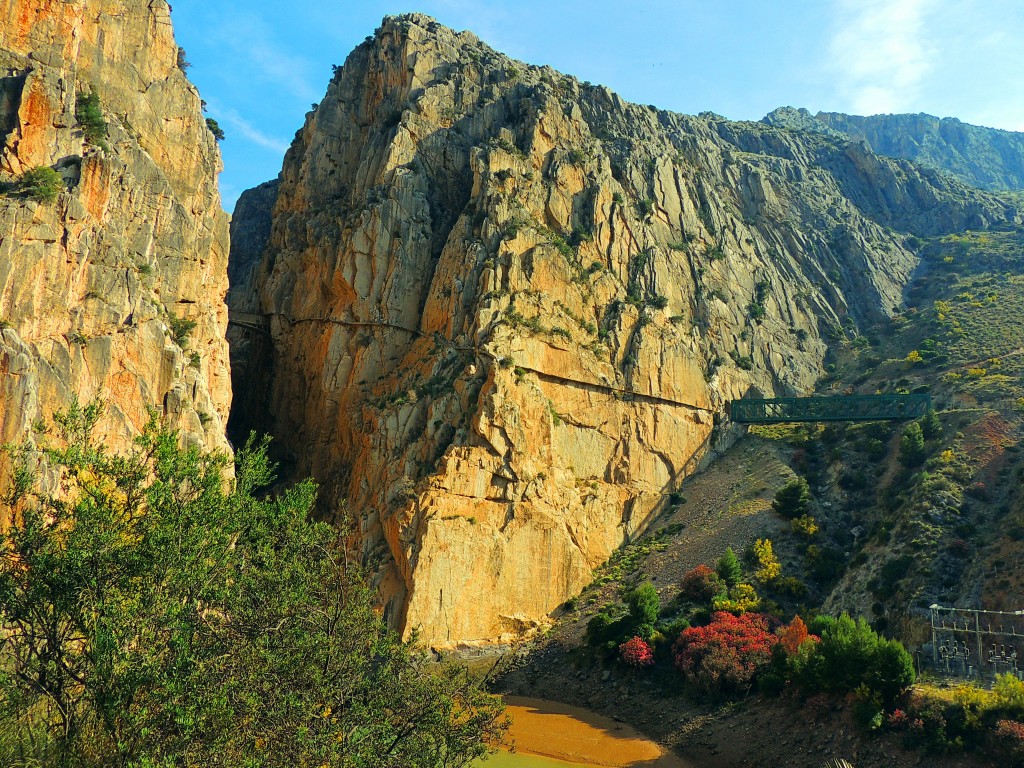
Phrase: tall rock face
x=250 y=231
x=507 y=308
x=117 y=288
x=983 y=157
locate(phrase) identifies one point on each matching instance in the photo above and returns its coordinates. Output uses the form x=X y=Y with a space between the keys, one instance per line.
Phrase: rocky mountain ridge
x=508 y=308
x=988 y=158
x=116 y=289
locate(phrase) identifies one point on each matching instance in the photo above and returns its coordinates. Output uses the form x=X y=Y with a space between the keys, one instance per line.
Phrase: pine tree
x=728 y=568
x=931 y=427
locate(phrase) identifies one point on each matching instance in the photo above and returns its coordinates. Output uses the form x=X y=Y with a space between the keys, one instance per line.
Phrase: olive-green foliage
x=612 y=625
x=850 y=655
x=644 y=605
x=41 y=184
x=89 y=115
x=793 y=499
x=158 y=614
x=912 y=449
x=728 y=568
x=181 y=327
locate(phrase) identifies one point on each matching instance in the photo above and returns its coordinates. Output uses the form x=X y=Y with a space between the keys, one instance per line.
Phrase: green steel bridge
x=838 y=408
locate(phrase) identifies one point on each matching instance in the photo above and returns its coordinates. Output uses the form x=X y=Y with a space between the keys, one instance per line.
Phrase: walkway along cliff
x=505 y=308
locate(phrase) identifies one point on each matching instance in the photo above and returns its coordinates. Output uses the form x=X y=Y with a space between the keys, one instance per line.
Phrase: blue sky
x=260 y=64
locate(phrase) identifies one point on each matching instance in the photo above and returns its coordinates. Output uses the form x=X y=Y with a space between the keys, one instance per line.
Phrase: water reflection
x=552 y=735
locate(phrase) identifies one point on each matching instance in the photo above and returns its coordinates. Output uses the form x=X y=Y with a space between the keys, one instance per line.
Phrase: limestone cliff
x=100 y=289
x=507 y=308
x=984 y=157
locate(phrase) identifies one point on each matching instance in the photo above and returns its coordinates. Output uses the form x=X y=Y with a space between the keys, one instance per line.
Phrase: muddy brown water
x=547 y=734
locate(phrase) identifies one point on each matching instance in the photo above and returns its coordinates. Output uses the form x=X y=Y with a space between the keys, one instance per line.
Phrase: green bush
x=644 y=606
x=793 y=500
x=41 y=184
x=851 y=655
x=89 y=115
x=912 y=448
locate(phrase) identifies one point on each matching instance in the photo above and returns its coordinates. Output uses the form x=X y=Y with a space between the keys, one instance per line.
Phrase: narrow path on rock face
x=260 y=323
x=575 y=737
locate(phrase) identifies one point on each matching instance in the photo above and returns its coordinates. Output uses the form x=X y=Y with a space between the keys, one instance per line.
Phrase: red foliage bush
x=637 y=653
x=1010 y=737
x=793 y=635
x=701 y=584
x=727 y=653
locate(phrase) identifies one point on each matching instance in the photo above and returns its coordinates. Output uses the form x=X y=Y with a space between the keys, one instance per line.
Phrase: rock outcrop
x=116 y=289
x=508 y=308
x=987 y=158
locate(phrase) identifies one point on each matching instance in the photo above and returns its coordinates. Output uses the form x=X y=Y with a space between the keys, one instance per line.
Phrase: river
x=547 y=734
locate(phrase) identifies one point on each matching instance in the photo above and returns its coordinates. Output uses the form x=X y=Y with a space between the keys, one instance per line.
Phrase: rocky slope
x=99 y=289
x=988 y=158
x=507 y=308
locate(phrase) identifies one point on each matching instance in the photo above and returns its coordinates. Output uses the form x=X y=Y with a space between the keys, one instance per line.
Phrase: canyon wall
x=507 y=309
x=116 y=289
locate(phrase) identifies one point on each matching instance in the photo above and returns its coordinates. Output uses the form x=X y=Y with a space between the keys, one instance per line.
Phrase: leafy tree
x=728 y=568
x=41 y=184
x=912 y=450
x=793 y=499
x=89 y=115
x=155 y=613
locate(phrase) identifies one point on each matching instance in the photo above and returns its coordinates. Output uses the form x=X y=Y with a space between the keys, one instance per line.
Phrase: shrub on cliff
x=89 y=115
x=158 y=614
x=41 y=184
x=215 y=129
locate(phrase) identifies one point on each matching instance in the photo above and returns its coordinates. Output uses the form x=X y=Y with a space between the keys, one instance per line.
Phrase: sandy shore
x=577 y=735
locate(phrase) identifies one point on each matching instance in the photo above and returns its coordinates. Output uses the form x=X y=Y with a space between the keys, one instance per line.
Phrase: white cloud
x=880 y=53
x=247 y=130
x=256 y=46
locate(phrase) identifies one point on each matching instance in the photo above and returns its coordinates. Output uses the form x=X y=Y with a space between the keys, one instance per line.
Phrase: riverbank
x=751 y=733
x=576 y=735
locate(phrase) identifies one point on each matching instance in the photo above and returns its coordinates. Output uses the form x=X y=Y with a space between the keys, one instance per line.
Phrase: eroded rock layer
x=508 y=308
x=117 y=288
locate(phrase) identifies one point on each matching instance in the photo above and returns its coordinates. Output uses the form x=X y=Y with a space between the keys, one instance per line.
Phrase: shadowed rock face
x=507 y=308
x=90 y=286
x=983 y=157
